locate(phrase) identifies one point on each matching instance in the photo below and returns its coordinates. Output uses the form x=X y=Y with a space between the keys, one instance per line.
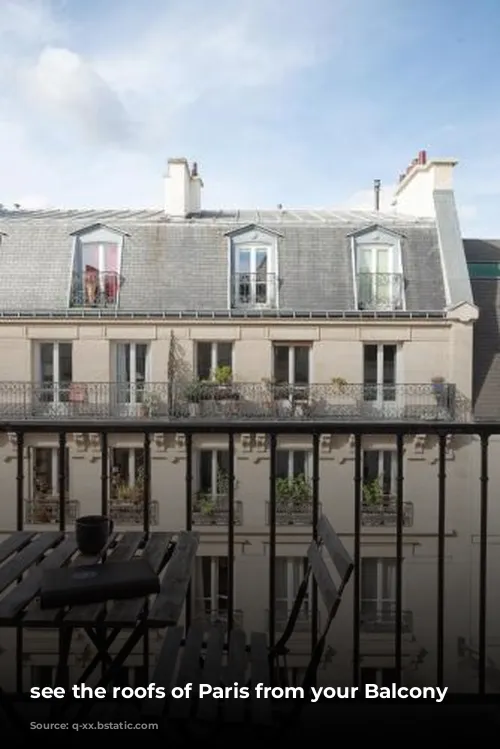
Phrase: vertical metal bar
x=146 y=497
x=230 y=537
x=356 y=658
x=441 y=559
x=189 y=511
x=20 y=482
x=272 y=539
x=62 y=481
x=104 y=474
x=315 y=518
x=399 y=557
x=483 y=563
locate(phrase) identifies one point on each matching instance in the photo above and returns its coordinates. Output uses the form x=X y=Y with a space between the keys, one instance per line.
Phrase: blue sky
x=302 y=102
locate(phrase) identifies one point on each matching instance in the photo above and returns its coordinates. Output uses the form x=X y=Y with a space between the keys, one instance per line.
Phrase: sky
x=301 y=103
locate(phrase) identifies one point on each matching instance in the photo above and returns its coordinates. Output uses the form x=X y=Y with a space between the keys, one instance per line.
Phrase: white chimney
x=182 y=189
x=414 y=194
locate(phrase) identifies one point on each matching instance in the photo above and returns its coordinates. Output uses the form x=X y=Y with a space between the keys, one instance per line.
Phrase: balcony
x=291 y=513
x=384 y=513
x=243 y=401
x=132 y=512
x=380 y=291
x=213 y=509
x=381 y=618
x=255 y=290
x=95 y=289
x=46 y=510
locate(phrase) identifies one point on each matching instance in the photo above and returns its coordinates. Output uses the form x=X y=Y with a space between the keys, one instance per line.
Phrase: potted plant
x=293 y=495
x=339 y=384
x=373 y=494
x=222 y=382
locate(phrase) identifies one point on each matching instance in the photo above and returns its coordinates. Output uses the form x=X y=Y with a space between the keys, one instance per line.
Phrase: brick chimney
x=414 y=194
x=182 y=189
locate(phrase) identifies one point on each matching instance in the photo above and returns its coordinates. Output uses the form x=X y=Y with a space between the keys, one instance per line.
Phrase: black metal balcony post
x=189 y=511
x=483 y=562
x=399 y=556
x=230 y=536
x=62 y=481
x=272 y=539
x=104 y=474
x=441 y=558
x=146 y=497
x=20 y=481
x=315 y=518
x=356 y=649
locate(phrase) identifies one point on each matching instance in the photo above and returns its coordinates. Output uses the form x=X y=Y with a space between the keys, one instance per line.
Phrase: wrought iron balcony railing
x=380 y=291
x=255 y=289
x=292 y=513
x=213 y=509
x=132 y=513
x=303 y=620
x=95 y=289
x=381 y=618
x=45 y=510
x=207 y=400
x=384 y=513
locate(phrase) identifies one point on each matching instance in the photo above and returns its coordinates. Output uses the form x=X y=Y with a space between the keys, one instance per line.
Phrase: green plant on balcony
x=373 y=494
x=339 y=384
x=218 y=387
x=294 y=493
x=151 y=402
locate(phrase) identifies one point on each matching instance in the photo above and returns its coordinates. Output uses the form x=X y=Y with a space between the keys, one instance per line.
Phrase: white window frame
x=291 y=361
x=215 y=595
x=57 y=386
x=54 y=458
x=271 y=287
x=376 y=240
x=293 y=568
x=131 y=459
x=214 y=347
x=133 y=389
x=380 y=399
x=380 y=600
x=393 y=471
x=100 y=236
x=215 y=467
x=307 y=461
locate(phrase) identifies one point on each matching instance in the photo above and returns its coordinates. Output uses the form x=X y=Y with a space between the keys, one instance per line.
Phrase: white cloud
x=364 y=200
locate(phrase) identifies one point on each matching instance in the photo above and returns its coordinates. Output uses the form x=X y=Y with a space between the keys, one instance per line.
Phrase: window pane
x=281 y=578
x=301 y=368
x=65 y=363
x=139 y=465
x=389 y=365
x=388 y=463
x=224 y=354
x=47 y=363
x=243 y=261
x=203 y=360
x=299 y=462
x=282 y=464
x=261 y=262
x=370 y=365
x=370 y=465
x=206 y=471
x=43 y=479
x=389 y=579
x=141 y=355
x=369 y=579
x=281 y=364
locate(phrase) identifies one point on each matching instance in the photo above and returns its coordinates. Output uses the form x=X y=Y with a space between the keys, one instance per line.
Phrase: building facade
x=285 y=314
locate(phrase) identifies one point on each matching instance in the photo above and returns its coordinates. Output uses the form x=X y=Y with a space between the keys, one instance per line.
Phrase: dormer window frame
x=247 y=285
x=99 y=236
x=375 y=240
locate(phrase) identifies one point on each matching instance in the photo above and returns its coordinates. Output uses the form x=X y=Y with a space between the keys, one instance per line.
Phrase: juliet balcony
x=95 y=289
x=254 y=290
x=235 y=401
x=380 y=291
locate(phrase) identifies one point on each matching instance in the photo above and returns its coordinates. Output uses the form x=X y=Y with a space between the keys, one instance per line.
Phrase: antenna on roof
x=376 y=188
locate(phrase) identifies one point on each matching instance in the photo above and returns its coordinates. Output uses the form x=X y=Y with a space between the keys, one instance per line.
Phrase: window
x=379 y=372
x=254 y=277
x=211 y=588
x=378 y=267
x=291 y=364
x=213 y=472
x=291 y=464
x=484 y=270
x=380 y=466
x=127 y=470
x=132 y=370
x=45 y=471
x=96 y=269
x=383 y=677
x=378 y=591
x=211 y=356
x=55 y=372
x=290 y=572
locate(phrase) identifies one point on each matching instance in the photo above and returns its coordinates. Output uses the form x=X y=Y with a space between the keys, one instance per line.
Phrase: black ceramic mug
x=92 y=533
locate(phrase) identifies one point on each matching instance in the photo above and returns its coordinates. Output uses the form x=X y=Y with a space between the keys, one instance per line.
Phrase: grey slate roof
x=486 y=291
x=180 y=265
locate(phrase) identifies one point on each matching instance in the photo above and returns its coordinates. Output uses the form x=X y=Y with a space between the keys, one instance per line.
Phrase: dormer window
x=254 y=277
x=96 y=278
x=378 y=270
